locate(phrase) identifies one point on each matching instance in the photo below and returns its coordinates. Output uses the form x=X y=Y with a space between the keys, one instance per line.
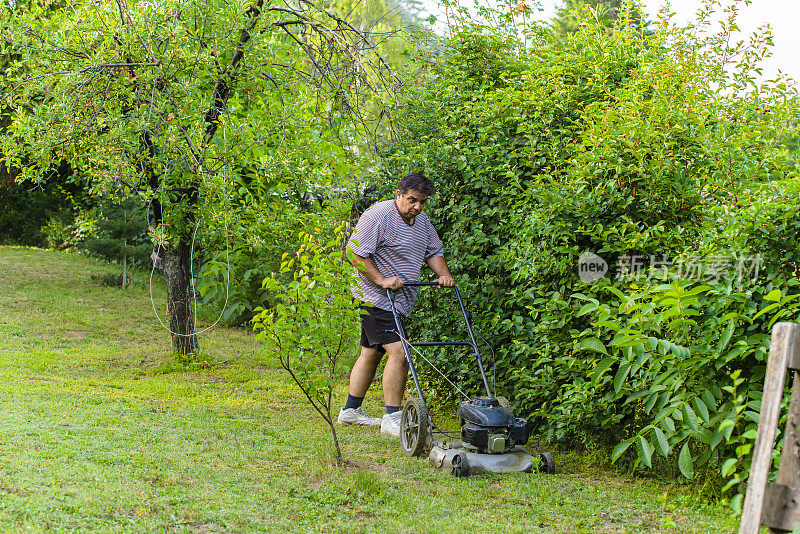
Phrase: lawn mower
x=490 y=439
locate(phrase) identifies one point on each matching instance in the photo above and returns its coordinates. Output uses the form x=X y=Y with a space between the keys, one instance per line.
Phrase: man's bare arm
x=366 y=266
x=439 y=266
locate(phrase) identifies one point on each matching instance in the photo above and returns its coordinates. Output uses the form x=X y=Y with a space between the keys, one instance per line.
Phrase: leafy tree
x=27 y=206
x=171 y=98
x=569 y=16
x=313 y=324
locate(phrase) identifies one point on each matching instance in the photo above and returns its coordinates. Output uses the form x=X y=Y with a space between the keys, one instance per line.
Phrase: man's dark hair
x=416 y=181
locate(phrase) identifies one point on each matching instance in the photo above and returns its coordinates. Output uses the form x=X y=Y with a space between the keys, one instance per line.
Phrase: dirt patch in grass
x=11 y=490
x=206 y=528
x=370 y=466
x=208 y=379
x=35 y=379
x=77 y=334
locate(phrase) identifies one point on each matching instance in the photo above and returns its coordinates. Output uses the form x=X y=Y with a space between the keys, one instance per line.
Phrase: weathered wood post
x=776 y=505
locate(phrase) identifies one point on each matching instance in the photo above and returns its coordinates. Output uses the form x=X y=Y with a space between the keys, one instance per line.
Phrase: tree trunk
x=125 y=251
x=177 y=275
x=329 y=420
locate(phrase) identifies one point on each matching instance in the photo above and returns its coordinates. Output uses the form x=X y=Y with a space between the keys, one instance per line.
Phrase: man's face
x=410 y=204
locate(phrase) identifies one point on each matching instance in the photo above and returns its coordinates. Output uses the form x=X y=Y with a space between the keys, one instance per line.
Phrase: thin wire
x=194 y=293
x=191 y=274
x=429 y=363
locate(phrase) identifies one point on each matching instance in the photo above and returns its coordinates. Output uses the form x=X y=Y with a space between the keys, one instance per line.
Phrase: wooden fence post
x=776 y=505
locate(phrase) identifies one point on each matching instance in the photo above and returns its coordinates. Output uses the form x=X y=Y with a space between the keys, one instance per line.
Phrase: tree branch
x=222 y=88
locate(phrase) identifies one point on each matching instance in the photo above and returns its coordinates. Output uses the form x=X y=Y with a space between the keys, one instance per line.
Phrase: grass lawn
x=100 y=430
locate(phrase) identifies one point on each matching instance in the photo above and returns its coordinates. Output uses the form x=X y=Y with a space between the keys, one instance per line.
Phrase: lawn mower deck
x=460 y=461
x=490 y=437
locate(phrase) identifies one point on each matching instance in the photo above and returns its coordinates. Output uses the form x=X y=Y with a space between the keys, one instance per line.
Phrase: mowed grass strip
x=101 y=430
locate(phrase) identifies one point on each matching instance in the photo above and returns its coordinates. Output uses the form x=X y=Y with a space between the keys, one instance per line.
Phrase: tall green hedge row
x=639 y=149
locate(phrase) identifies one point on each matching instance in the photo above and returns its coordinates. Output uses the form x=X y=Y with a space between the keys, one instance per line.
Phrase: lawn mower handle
x=471 y=343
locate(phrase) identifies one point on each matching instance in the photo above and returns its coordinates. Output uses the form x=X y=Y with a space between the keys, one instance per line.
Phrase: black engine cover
x=520 y=432
x=483 y=417
x=485 y=412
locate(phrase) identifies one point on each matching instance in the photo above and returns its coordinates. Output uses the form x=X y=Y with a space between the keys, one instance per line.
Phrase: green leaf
x=608 y=324
x=697 y=290
x=736 y=503
x=729 y=467
x=716 y=438
x=750 y=434
x=645 y=451
x=619 y=379
x=726 y=337
x=651 y=402
x=704 y=435
x=753 y=416
x=669 y=424
x=619 y=449
x=701 y=409
x=689 y=417
x=617 y=292
x=661 y=443
x=591 y=343
x=602 y=367
x=774 y=295
x=778 y=316
x=685 y=462
x=708 y=398
x=765 y=310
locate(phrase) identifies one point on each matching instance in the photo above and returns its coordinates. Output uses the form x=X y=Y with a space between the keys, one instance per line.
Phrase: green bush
x=230 y=280
x=40 y=216
x=118 y=232
x=314 y=323
x=57 y=231
x=625 y=145
x=260 y=230
x=672 y=367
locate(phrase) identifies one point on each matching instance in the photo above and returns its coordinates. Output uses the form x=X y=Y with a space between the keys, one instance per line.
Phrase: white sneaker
x=357 y=416
x=390 y=424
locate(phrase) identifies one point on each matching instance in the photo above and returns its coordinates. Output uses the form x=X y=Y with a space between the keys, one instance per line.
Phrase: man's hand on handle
x=446 y=281
x=366 y=266
x=391 y=282
x=439 y=266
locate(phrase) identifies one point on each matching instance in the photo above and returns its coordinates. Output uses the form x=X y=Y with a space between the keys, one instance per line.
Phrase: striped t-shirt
x=396 y=249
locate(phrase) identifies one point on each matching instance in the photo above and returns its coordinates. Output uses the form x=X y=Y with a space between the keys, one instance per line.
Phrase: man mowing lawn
x=394 y=239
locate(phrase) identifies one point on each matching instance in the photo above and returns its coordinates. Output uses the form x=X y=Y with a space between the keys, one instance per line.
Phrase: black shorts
x=377 y=328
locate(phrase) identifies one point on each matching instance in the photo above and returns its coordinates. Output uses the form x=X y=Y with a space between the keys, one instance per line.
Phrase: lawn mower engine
x=489 y=427
x=491 y=441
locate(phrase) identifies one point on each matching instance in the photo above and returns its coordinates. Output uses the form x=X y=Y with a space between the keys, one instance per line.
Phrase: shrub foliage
x=311 y=328
x=648 y=149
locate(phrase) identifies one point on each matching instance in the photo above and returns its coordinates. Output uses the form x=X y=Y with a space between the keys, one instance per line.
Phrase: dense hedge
x=28 y=207
x=626 y=146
